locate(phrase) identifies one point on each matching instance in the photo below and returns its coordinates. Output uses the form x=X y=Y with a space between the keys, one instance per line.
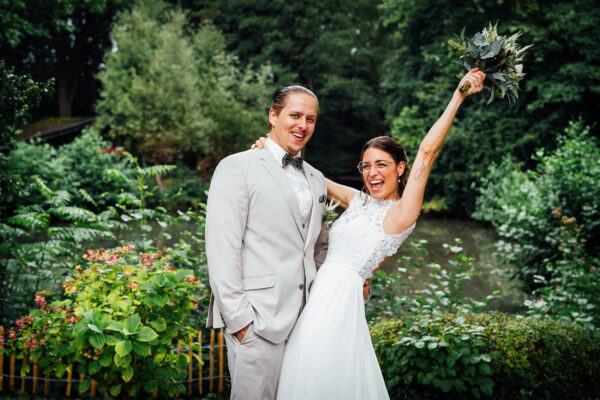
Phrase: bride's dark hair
x=394 y=149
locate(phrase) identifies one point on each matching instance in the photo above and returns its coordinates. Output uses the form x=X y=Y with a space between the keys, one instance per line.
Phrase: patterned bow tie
x=295 y=161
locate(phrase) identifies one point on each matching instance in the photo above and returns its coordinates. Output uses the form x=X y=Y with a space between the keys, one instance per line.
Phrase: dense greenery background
x=378 y=66
x=187 y=82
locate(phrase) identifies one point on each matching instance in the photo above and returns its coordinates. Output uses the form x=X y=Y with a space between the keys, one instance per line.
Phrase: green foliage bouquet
x=118 y=322
x=498 y=56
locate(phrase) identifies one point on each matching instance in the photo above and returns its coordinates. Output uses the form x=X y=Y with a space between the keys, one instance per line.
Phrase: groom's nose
x=302 y=123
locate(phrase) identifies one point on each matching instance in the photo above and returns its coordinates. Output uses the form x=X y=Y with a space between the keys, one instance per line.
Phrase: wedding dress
x=329 y=354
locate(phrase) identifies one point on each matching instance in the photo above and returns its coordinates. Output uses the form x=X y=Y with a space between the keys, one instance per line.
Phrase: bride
x=329 y=354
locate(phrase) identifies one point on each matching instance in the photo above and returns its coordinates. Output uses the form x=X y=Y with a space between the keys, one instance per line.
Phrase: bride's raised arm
x=405 y=211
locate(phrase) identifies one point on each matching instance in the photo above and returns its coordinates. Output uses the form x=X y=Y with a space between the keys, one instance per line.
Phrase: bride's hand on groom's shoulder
x=261 y=142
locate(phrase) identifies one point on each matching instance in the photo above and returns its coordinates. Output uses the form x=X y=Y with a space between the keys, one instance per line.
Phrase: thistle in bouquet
x=330 y=214
x=500 y=57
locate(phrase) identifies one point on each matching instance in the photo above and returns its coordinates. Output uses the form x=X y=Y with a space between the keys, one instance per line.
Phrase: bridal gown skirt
x=329 y=354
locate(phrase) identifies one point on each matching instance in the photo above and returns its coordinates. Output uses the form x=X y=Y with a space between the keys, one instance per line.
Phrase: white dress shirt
x=297 y=180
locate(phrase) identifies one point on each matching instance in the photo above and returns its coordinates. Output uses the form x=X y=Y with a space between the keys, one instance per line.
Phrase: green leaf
x=146 y=334
x=80 y=328
x=85 y=385
x=150 y=385
x=97 y=340
x=133 y=323
x=105 y=359
x=487 y=387
x=127 y=374
x=94 y=367
x=116 y=326
x=123 y=347
x=141 y=349
x=115 y=390
x=159 y=324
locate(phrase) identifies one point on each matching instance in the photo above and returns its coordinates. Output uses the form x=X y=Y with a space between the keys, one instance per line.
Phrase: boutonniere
x=330 y=215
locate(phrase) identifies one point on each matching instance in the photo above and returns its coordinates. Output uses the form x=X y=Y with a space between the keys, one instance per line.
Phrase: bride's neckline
x=380 y=202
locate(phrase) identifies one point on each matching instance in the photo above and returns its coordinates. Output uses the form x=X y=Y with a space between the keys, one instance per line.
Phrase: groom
x=263 y=220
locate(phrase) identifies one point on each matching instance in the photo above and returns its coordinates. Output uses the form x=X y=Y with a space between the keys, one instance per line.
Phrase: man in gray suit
x=263 y=219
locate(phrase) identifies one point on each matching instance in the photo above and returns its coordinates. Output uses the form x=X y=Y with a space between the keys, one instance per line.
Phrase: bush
x=119 y=319
x=77 y=167
x=549 y=222
x=525 y=358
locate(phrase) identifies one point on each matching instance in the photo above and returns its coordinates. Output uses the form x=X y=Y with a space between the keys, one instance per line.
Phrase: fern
x=30 y=220
x=86 y=196
x=59 y=198
x=71 y=213
x=41 y=185
x=156 y=169
x=79 y=234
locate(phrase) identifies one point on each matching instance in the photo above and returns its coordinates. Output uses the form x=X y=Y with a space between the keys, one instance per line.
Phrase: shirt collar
x=277 y=151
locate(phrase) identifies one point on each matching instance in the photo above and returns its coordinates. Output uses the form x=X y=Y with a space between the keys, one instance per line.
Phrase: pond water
x=478 y=241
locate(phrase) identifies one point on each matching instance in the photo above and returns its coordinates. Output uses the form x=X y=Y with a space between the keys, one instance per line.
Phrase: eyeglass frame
x=380 y=168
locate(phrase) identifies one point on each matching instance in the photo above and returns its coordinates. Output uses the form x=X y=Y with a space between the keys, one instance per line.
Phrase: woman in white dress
x=329 y=354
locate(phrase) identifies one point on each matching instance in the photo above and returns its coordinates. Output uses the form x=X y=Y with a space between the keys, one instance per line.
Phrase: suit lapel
x=315 y=223
x=276 y=171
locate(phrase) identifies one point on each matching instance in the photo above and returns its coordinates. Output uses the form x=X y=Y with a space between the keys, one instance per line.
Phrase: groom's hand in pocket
x=241 y=333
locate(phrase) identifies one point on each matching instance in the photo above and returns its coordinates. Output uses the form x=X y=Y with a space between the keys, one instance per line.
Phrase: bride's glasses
x=365 y=167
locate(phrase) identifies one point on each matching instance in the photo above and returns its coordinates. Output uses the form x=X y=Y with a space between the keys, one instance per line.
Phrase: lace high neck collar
x=377 y=202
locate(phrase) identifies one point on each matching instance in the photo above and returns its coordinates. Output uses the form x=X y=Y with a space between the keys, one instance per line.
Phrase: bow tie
x=295 y=161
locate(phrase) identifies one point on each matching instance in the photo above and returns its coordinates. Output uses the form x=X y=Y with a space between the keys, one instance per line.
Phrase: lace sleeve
x=393 y=242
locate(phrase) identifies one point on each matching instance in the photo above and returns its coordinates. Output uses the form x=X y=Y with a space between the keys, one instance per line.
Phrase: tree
x=64 y=39
x=332 y=47
x=169 y=94
x=563 y=80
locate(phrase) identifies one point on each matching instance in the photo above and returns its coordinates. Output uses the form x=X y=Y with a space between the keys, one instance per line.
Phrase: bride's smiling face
x=380 y=173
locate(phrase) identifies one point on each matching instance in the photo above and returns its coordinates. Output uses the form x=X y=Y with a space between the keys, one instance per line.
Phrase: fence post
x=93 y=388
x=221 y=362
x=81 y=378
x=69 y=376
x=211 y=361
x=1 y=361
x=11 y=381
x=35 y=376
x=23 y=364
x=201 y=363
x=47 y=385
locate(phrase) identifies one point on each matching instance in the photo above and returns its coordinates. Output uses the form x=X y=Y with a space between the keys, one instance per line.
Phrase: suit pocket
x=259 y=282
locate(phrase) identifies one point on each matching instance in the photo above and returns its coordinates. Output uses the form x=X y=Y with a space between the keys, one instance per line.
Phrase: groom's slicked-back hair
x=280 y=96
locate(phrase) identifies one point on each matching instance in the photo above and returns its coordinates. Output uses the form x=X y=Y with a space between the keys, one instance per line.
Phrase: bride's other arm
x=338 y=192
x=406 y=210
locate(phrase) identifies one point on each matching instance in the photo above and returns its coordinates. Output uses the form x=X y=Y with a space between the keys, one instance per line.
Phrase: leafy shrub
x=119 y=321
x=529 y=358
x=520 y=204
x=555 y=260
x=42 y=241
x=436 y=354
x=77 y=167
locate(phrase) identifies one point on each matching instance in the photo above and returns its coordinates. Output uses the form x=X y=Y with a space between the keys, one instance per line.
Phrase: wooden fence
x=209 y=378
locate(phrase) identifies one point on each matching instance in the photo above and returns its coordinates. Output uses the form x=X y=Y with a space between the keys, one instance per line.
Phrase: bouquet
x=498 y=56
x=330 y=214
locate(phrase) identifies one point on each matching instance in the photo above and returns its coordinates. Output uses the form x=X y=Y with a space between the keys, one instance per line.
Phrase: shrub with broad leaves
x=118 y=322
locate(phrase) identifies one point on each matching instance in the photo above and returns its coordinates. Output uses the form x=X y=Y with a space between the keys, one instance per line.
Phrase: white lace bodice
x=357 y=240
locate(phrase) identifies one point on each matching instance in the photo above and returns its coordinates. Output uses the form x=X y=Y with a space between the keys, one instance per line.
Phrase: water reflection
x=477 y=241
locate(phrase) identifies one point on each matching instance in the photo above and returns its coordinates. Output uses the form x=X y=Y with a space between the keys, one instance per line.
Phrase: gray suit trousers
x=254 y=365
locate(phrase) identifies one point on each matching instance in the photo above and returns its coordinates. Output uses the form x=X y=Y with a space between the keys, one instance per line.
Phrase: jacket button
x=301 y=286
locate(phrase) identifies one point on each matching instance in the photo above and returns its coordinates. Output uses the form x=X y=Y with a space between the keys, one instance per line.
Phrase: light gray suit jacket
x=261 y=259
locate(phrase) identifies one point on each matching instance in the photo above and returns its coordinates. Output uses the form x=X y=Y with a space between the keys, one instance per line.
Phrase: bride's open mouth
x=376 y=185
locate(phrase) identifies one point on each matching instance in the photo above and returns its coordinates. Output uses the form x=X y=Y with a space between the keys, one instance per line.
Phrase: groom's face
x=295 y=124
